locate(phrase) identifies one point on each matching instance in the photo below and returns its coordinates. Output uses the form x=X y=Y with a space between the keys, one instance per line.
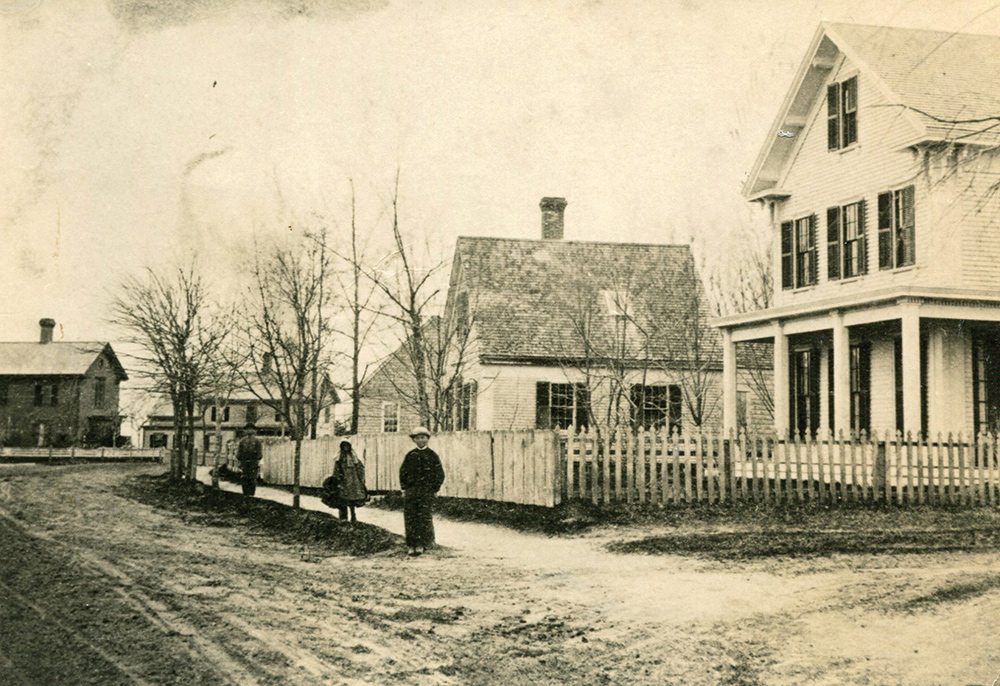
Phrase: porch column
x=841 y=361
x=910 y=324
x=728 y=382
x=780 y=380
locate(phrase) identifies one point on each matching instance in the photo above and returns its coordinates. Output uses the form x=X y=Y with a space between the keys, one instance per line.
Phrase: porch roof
x=877 y=305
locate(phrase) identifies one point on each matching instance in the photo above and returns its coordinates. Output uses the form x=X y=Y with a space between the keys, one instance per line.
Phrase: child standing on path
x=420 y=477
x=349 y=473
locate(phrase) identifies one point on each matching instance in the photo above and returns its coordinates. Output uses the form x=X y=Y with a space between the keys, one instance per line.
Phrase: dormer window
x=619 y=305
x=842 y=114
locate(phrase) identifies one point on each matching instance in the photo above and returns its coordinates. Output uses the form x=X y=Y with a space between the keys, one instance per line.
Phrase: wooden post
x=675 y=484
x=963 y=487
x=606 y=468
x=951 y=471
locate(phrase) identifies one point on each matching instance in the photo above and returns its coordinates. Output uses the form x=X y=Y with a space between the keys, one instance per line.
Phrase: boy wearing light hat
x=420 y=477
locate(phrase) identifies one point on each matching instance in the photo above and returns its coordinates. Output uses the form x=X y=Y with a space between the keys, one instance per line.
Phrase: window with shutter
x=787 y=276
x=862 y=239
x=833 y=116
x=849 y=112
x=833 y=243
x=805 y=251
x=905 y=241
x=896 y=228
x=842 y=114
x=885 y=230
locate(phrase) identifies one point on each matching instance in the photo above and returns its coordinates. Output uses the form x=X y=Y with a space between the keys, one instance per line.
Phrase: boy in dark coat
x=249 y=453
x=420 y=477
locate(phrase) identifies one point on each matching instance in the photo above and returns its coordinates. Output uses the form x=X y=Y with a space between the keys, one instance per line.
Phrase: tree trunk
x=175 y=452
x=297 y=472
x=216 y=458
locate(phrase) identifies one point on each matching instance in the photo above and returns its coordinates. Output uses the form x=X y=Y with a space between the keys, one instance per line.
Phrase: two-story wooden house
x=880 y=178
x=59 y=393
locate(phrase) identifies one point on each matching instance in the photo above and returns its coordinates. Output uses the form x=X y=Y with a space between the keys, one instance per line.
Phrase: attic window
x=842 y=114
x=618 y=304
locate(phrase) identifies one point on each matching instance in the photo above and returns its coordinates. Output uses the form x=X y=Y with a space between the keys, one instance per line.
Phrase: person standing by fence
x=249 y=453
x=349 y=474
x=420 y=477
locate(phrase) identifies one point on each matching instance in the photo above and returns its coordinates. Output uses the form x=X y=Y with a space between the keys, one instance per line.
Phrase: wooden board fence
x=509 y=466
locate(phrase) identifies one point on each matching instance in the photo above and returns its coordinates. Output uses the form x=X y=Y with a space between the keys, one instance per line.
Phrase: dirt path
x=98 y=588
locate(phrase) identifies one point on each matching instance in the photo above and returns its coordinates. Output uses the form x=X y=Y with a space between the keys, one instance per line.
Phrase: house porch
x=924 y=364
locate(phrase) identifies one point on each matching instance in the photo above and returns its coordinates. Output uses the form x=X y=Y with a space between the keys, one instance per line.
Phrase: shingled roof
x=939 y=80
x=532 y=300
x=55 y=358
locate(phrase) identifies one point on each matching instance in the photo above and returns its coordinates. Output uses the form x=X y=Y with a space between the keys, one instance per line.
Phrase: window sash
x=849 y=112
x=390 y=417
x=897 y=228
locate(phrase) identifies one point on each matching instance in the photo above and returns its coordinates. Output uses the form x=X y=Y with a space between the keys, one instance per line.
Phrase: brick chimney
x=47 y=325
x=552 y=217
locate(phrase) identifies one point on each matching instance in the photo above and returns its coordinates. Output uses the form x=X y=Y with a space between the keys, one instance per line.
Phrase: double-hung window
x=657 y=406
x=896 y=228
x=561 y=405
x=846 y=241
x=798 y=252
x=842 y=114
x=390 y=417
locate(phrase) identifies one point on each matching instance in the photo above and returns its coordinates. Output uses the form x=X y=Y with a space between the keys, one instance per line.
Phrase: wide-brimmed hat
x=420 y=431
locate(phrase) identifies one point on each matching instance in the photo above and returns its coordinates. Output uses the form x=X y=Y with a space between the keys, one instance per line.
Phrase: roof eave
x=751 y=186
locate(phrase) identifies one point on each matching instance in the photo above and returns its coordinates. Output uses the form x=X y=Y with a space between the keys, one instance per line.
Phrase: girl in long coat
x=349 y=472
x=420 y=477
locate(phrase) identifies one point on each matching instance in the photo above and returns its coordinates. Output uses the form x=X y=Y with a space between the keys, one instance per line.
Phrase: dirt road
x=99 y=587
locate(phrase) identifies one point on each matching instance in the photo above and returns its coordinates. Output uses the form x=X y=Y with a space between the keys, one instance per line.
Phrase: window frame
x=897 y=228
x=842 y=113
x=100 y=392
x=799 y=268
x=395 y=419
x=846 y=256
x=579 y=417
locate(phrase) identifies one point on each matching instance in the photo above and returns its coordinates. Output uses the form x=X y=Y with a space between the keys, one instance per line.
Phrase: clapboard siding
x=977 y=193
x=818 y=179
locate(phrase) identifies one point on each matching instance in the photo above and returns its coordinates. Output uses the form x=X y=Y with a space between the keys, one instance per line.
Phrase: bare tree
x=744 y=283
x=412 y=294
x=167 y=315
x=359 y=295
x=287 y=329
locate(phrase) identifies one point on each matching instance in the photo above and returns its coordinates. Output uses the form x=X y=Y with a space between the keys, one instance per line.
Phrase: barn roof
x=64 y=358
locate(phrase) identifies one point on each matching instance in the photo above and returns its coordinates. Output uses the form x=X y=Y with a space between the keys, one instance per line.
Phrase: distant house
x=388 y=396
x=550 y=333
x=880 y=177
x=233 y=413
x=59 y=393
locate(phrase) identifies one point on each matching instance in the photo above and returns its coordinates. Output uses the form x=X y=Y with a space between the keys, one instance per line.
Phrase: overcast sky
x=132 y=128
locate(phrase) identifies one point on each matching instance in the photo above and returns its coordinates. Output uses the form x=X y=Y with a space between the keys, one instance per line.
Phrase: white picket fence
x=507 y=466
x=657 y=468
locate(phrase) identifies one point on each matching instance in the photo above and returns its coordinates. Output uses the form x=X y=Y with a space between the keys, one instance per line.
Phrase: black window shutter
x=885 y=230
x=813 y=270
x=833 y=243
x=833 y=116
x=582 y=405
x=908 y=227
x=543 y=413
x=787 y=278
x=863 y=239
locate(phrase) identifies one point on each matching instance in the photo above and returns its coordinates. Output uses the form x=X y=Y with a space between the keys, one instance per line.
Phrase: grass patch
x=564 y=519
x=953 y=593
x=205 y=506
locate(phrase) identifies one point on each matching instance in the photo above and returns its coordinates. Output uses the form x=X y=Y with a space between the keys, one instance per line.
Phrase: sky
x=135 y=132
